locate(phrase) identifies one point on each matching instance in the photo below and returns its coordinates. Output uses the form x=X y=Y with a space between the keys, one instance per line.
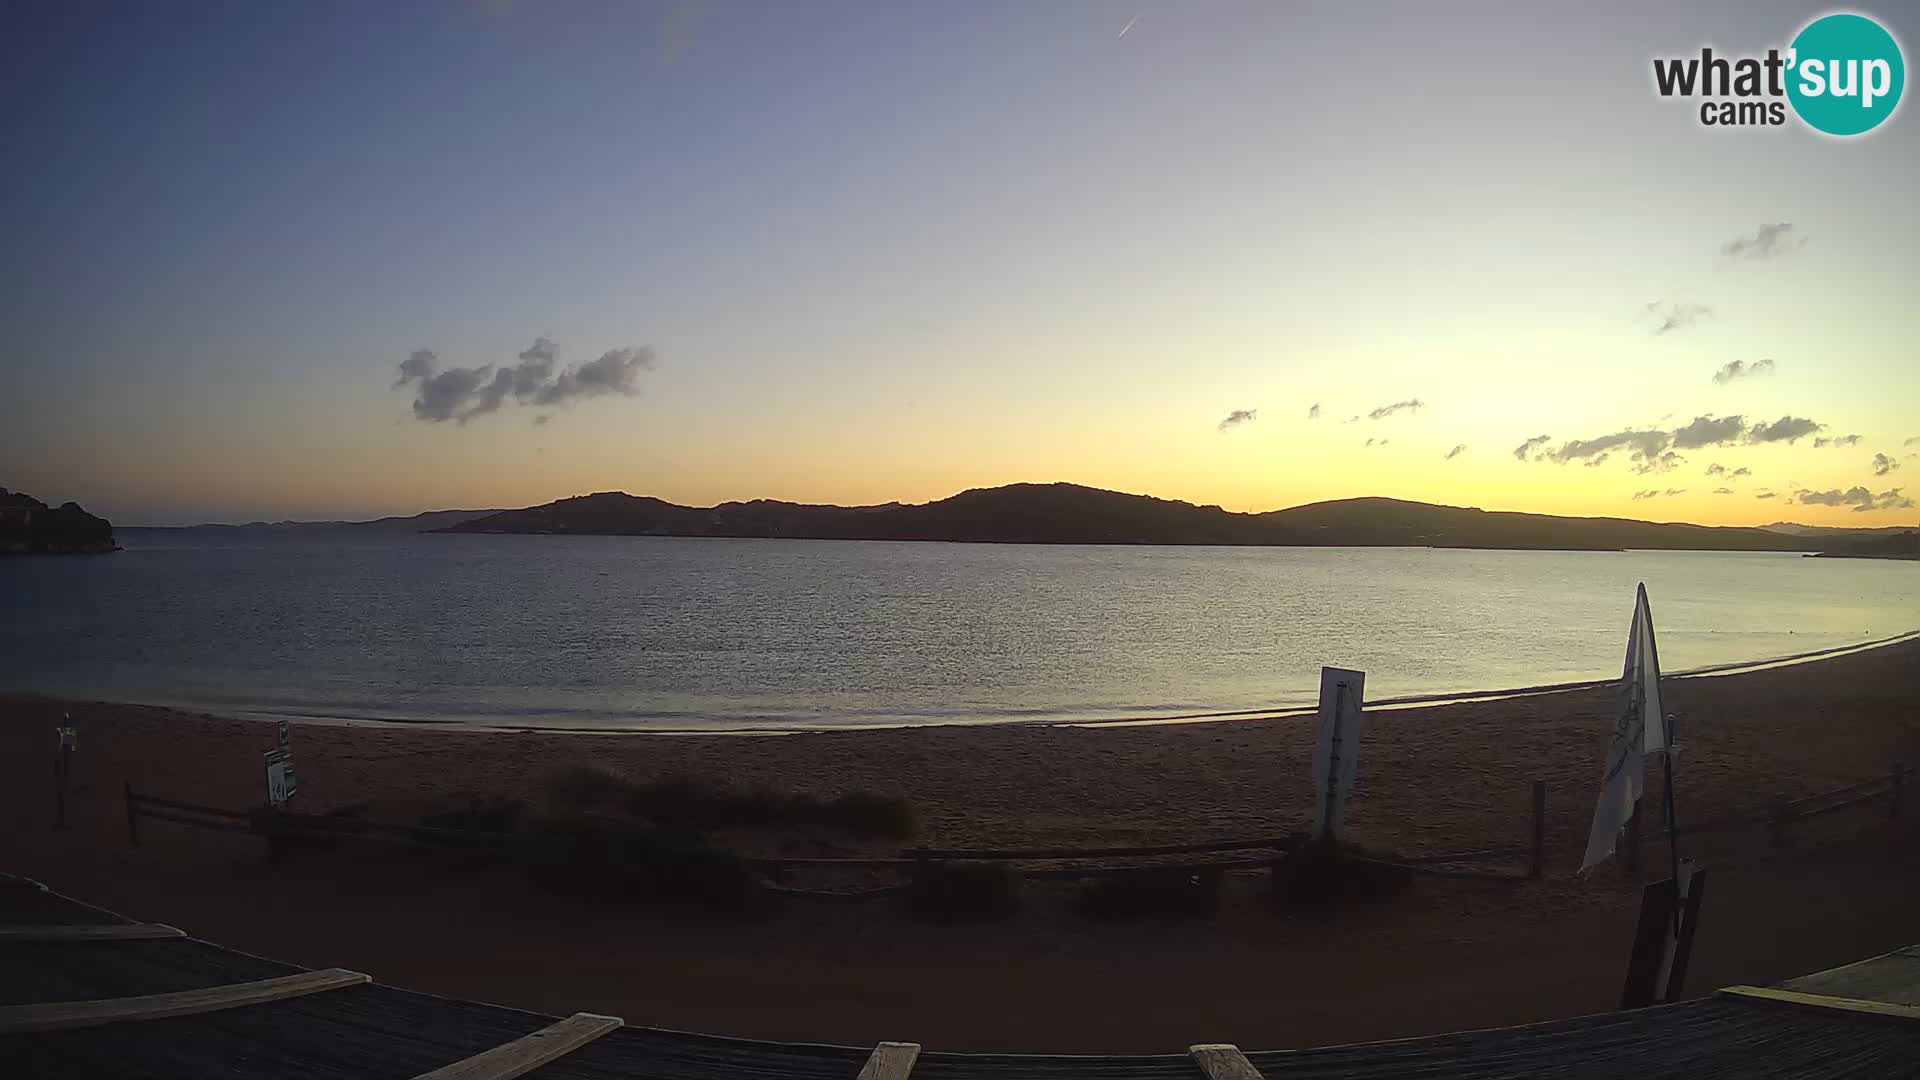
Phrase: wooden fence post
x=1537 y=867
x=133 y=828
x=1897 y=791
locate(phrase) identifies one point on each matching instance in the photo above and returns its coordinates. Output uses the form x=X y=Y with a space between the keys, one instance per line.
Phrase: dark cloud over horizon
x=1787 y=429
x=1862 y=500
x=463 y=393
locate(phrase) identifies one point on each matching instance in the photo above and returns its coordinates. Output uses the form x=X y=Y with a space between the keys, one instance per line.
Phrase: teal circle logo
x=1845 y=74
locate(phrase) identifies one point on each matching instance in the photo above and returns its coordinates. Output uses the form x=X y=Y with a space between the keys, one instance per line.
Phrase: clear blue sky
x=895 y=250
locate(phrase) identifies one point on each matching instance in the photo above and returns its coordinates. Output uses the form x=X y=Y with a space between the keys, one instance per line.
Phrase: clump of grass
x=685 y=801
x=623 y=862
x=1150 y=892
x=580 y=789
x=1326 y=873
x=496 y=814
x=964 y=892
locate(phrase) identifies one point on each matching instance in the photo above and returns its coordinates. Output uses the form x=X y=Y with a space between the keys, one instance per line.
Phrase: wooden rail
x=529 y=1052
x=62 y=1015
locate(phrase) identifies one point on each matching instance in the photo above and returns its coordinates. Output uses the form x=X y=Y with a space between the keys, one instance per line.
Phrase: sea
x=679 y=634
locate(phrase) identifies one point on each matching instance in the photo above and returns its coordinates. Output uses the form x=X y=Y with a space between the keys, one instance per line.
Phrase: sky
x=857 y=253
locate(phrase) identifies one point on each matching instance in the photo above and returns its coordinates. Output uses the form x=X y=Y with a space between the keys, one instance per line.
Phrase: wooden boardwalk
x=158 y=1005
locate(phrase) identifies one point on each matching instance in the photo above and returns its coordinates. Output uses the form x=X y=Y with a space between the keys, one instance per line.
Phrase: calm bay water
x=657 y=632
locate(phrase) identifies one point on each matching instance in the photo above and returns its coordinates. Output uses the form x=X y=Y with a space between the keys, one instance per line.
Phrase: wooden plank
x=1223 y=1061
x=1198 y=848
x=108 y=932
x=62 y=1015
x=529 y=1052
x=1824 y=1001
x=142 y=801
x=890 y=1061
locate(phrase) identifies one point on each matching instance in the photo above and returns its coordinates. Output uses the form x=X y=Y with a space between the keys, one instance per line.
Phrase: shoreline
x=749 y=729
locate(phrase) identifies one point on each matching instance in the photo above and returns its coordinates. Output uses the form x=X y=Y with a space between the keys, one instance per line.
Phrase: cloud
x=1766 y=242
x=1766 y=495
x=461 y=394
x=1739 y=472
x=1914 y=441
x=1237 y=417
x=541 y=418
x=1740 y=369
x=1707 y=431
x=1314 y=412
x=1598 y=461
x=1655 y=493
x=1456 y=451
x=419 y=364
x=1666 y=462
x=1677 y=316
x=1786 y=429
x=1526 y=450
x=1376 y=442
x=1409 y=405
x=1862 y=500
x=1643 y=445
x=1723 y=491
x=1837 y=440
x=1716 y=469
x=1882 y=464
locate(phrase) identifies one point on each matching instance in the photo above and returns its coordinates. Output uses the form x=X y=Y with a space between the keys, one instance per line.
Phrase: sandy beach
x=1450 y=955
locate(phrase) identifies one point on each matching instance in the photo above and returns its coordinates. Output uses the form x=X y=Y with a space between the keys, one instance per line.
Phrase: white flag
x=1639 y=728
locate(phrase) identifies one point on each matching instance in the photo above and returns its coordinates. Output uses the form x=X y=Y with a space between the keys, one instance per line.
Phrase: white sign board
x=281 y=782
x=1337 y=752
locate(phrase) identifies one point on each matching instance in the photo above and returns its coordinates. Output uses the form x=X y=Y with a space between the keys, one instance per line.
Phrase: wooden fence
x=281 y=827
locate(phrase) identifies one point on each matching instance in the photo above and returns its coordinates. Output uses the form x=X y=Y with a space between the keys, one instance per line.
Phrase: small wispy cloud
x=1671 y=317
x=1458 y=449
x=1313 y=411
x=1766 y=242
x=1666 y=462
x=1740 y=369
x=1912 y=441
x=1376 y=442
x=1739 y=472
x=1882 y=464
x=1839 y=440
x=1862 y=500
x=1655 y=493
x=1531 y=449
x=1765 y=495
x=1716 y=469
x=1409 y=405
x=1723 y=491
x=1237 y=417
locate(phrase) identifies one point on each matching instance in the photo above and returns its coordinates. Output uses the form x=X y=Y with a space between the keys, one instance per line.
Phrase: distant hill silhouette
x=1897 y=545
x=431 y=521
x=31 y=527
x=1072 y=514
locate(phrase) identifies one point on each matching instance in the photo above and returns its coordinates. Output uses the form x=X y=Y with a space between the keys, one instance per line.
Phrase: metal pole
x=1673 y=839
